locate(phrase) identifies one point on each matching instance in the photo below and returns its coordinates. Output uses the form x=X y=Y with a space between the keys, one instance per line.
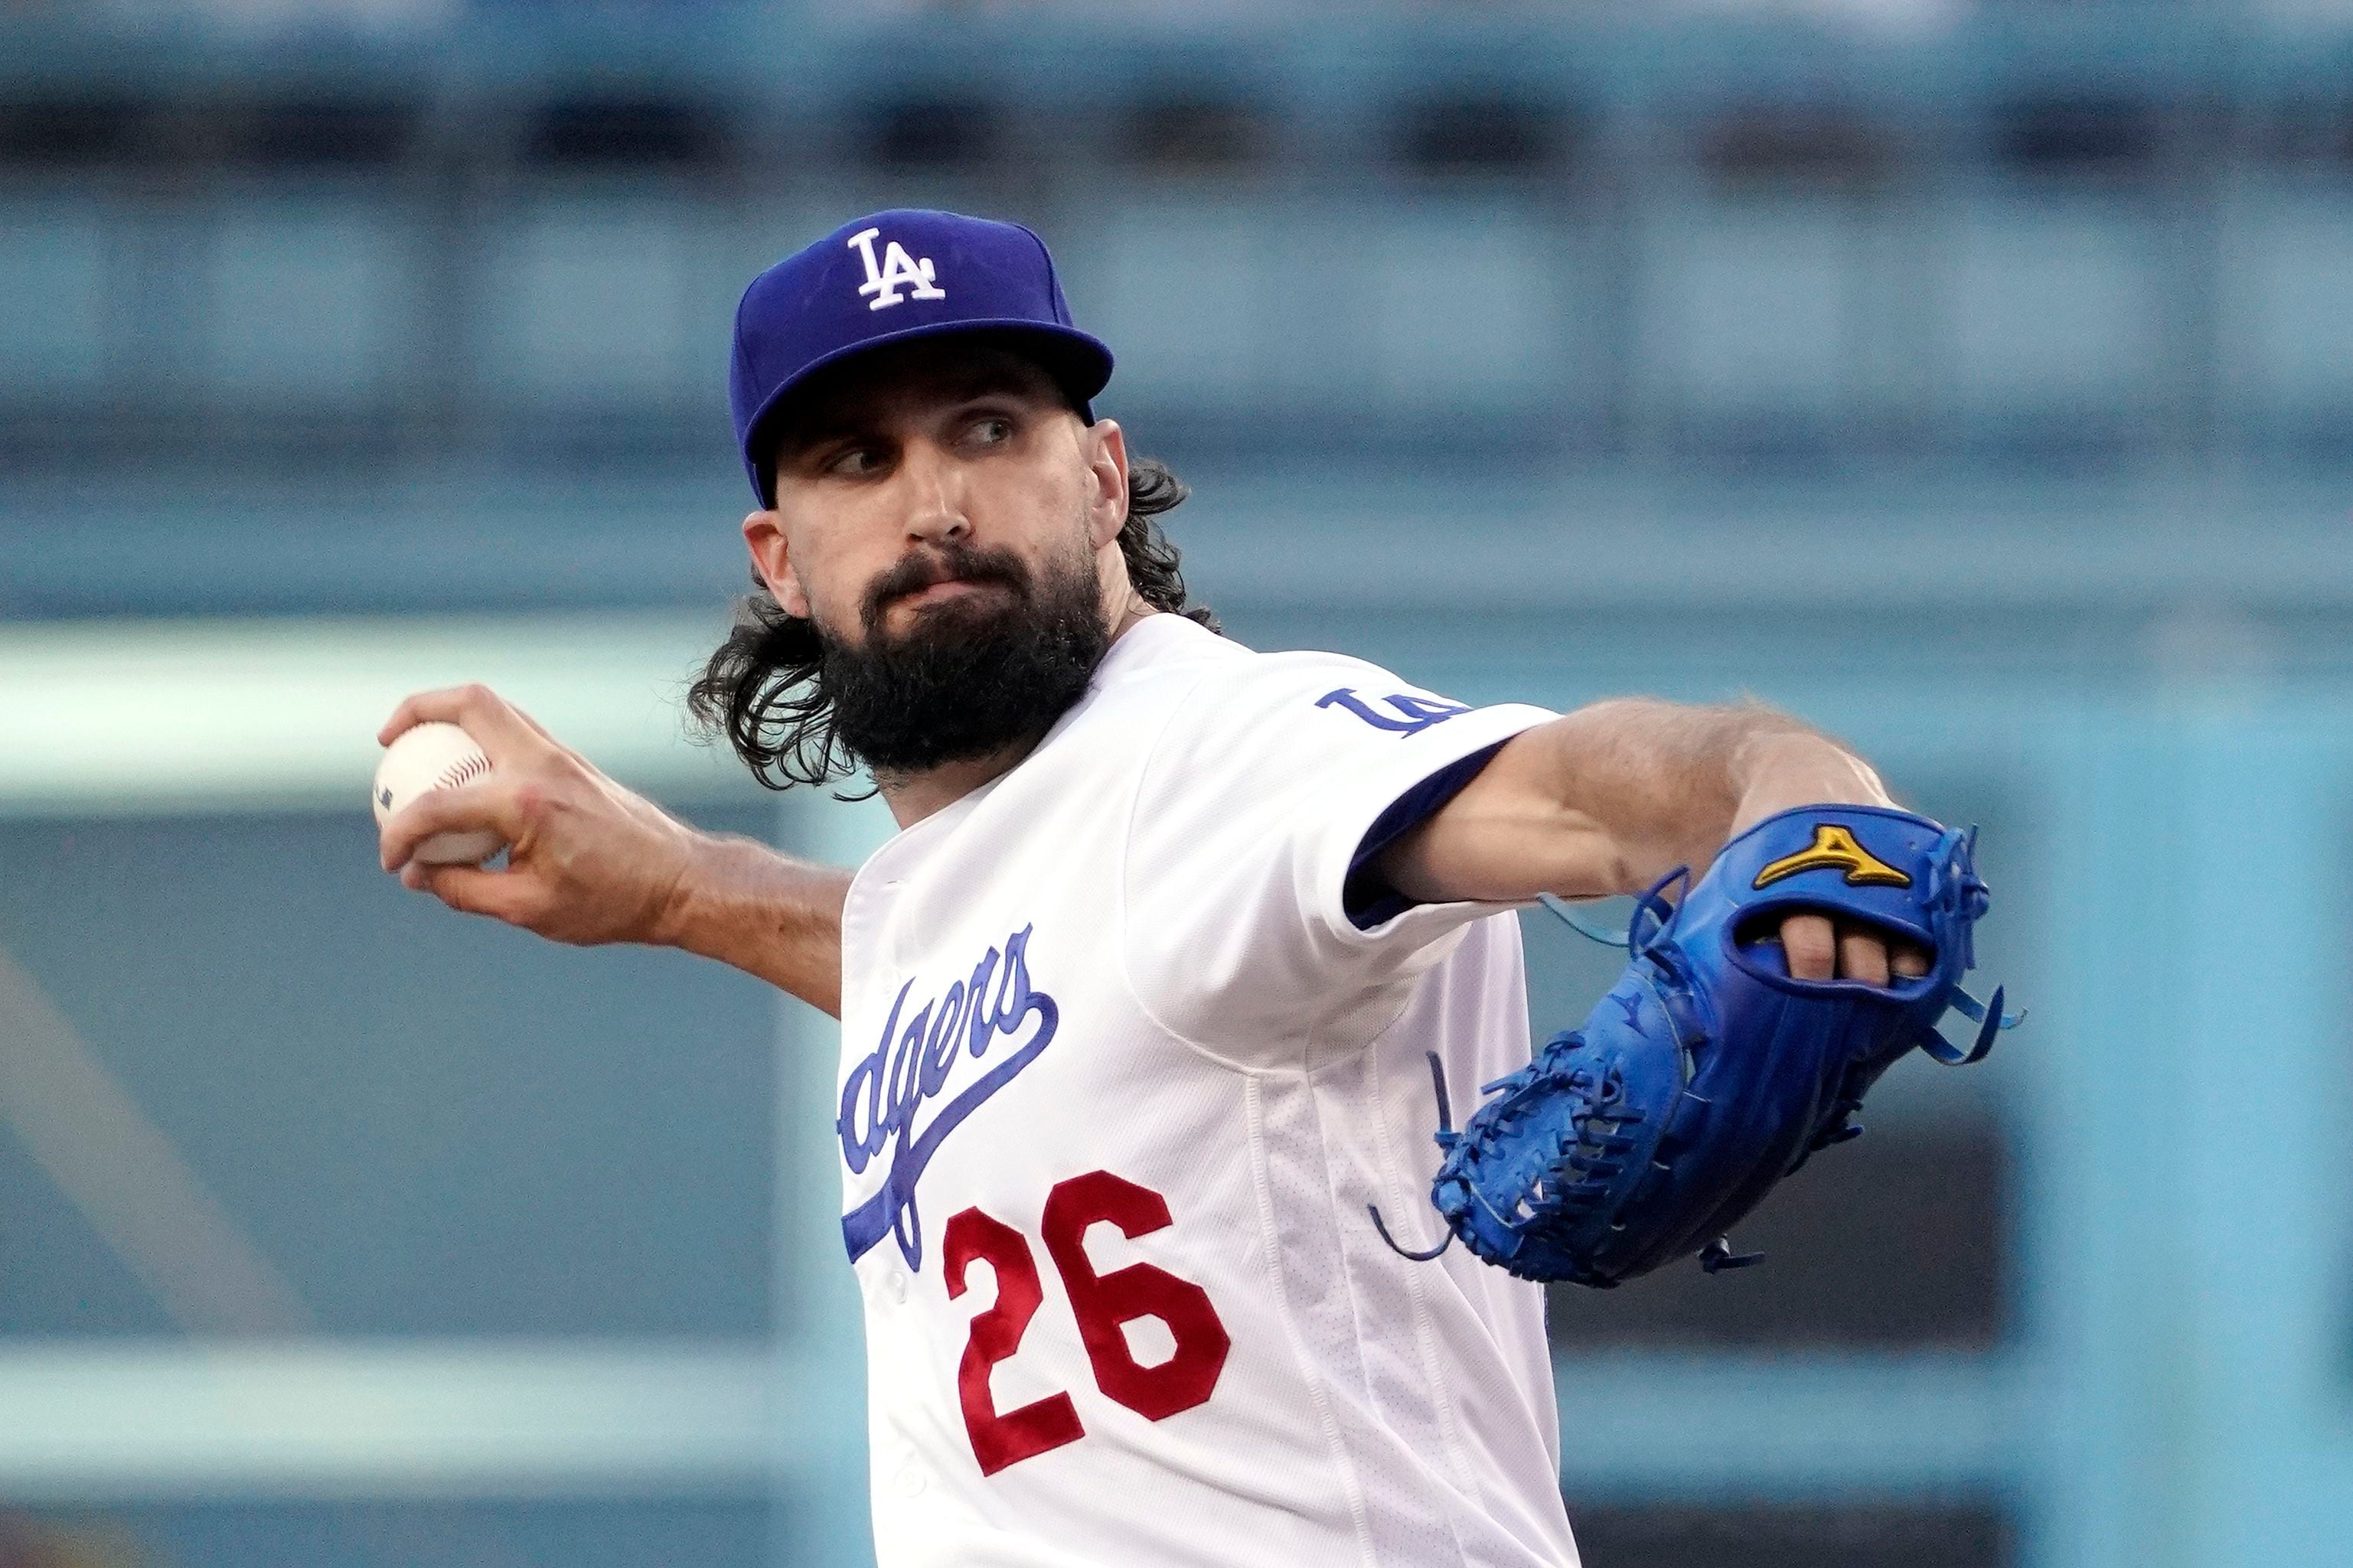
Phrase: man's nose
x=935 y=504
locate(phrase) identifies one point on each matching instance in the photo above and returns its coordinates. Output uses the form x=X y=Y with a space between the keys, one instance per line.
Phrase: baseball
x=431 y=756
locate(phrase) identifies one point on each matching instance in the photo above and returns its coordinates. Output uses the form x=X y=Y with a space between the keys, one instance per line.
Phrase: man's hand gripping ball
x=587 y=861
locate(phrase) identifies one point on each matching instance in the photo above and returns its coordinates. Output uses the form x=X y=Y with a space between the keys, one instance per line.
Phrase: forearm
x=1611 y=797
x=772 y=916
x=1666 y=784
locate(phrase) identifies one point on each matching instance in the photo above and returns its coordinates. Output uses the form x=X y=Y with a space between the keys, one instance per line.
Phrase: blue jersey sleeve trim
x=1369 y=900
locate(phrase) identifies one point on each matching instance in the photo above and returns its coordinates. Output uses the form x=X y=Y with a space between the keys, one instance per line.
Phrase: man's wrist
x=1793 y=769
x=747 y=906
x=692 y=915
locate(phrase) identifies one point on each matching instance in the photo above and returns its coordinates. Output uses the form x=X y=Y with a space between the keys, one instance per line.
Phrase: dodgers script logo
x=887 y=1090
x=883 y=277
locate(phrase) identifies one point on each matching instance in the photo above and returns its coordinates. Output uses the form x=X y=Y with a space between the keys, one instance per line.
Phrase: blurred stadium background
x=1976 y=379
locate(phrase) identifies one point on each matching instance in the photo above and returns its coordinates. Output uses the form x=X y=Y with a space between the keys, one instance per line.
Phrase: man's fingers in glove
x=1815 y=951
x=1809 y=947
x=1862 y=956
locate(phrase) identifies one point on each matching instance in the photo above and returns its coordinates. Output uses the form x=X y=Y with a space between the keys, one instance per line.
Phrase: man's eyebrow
x=969 y=386
x=993 y=380
x=818 y=430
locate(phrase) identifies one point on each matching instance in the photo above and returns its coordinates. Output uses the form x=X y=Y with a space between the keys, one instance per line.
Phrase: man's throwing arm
x=589 y=862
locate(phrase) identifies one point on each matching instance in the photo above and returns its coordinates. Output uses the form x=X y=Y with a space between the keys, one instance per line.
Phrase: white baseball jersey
x=1125 y=1057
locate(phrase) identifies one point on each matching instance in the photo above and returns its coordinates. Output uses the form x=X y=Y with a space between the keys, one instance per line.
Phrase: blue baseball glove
x=1708 y=1073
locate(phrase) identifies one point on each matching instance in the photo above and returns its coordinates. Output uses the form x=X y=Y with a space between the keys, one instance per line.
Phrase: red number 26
x=1100 y=1303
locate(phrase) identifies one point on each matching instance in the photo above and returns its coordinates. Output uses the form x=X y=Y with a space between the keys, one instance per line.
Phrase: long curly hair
x=760 y=691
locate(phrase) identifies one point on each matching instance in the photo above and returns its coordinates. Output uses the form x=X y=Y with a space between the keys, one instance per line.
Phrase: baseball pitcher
x=1139 y=1007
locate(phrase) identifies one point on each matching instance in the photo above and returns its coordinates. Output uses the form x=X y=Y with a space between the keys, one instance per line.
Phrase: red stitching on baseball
x=461 y=771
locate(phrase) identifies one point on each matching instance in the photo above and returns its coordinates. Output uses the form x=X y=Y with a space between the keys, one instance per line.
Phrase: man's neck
x=914 y=796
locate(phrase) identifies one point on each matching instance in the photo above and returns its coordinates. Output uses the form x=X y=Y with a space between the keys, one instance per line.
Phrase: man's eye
x=990 y=431
x=856 y=461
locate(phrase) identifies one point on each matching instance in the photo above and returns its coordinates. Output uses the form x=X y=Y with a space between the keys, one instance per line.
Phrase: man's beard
x=977 y=673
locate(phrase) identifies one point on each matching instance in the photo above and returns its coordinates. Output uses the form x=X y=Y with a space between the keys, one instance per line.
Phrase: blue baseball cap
x=887 y=278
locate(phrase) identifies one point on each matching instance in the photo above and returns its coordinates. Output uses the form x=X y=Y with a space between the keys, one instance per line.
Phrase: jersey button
x=897 y=1285
x=909 y=1481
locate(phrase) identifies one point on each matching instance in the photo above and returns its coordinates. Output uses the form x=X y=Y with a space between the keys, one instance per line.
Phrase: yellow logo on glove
x=1834 y=850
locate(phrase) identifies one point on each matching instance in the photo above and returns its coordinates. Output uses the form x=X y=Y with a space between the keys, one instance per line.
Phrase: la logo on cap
x=882 y=279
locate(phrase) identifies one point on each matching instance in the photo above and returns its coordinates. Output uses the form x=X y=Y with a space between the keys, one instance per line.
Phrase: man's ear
x=1107 y=468
x=764 y=536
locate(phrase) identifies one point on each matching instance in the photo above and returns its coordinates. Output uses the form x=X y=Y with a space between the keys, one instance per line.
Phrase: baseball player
x=1134 y=1006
